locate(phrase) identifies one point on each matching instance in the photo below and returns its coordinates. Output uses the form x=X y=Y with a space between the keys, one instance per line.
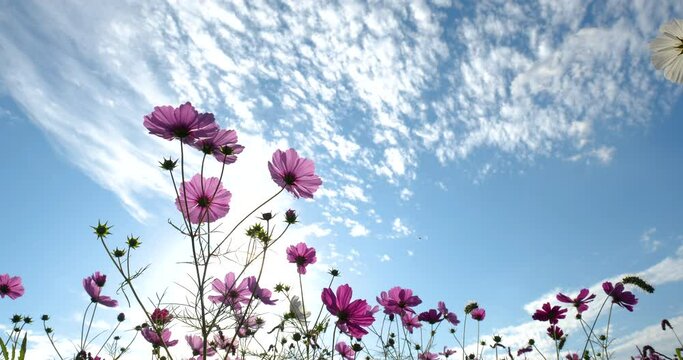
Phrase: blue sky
x=469 y=150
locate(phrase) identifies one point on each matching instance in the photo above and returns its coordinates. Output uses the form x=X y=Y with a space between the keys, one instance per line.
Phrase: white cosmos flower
x=667 y=50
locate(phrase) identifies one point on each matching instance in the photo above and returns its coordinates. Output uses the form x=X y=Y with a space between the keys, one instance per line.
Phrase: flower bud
x=168 y=164
x=121 y=317
x=290 y=217
x=45 y=318
x=101 y=230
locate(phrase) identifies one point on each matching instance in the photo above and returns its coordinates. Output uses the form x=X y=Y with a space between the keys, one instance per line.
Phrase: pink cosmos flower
x=295 y=174
x=573 y=356
x=555 y=332
x=447 y=352
x=398 y=301
x=259 y=293
x=197 y=346
x=548 y=313
x=153 y=338
x=431 y=316
x=182 y=123
x=11 y=286
x=222 y=342
x=90 y=284
x=230 y=293
x=207 y=200
x=302 y=256
x=161 y=317
x=222 y=145
x=352 y=316
x=410 y=321
x=580 y=302
x=345 y=350
x=478 y=314
x=525 y=350
x=625 y=299
x=249 y=325
x=427 y=356
x=449 y=316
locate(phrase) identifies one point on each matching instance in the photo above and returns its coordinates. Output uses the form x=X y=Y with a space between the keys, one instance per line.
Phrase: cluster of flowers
x=223 y=314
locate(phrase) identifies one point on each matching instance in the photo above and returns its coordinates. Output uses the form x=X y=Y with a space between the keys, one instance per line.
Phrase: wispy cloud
x=647 y=239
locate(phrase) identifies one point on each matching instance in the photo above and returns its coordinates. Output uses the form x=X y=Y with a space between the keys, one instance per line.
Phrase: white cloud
x=356 y=229
x=648 y=241
x=354 y=192
x=406 y=194
x=384 y=258
x=399 y=228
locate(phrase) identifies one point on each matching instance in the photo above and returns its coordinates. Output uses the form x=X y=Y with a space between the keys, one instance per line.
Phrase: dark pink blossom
x=301 y=255
x=398 y=301
x=551 y=314
x=11 y=286
x=197 y=345
x=431 y=316
x=153 y=338
x=478 y=314
x=249 y=325
x=447 y=352
x=93 y=290
x=182 y=123
x=295 y=174
x=222 y=145
x=230 y=293
x=161 y=317
x=345 y=350
x=427 y=356
x=580 y=302
x=410 y=321
x=573 y=356
x=525 y=350
x=449 y=316
x=207 y=200
x=352 y=316
x=625 y=299
x=555 y=332
x=259 y=293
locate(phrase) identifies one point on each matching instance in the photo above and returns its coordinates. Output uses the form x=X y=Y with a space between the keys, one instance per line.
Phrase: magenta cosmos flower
x=295 y=174
x=625 y=299
x=555 y=332
x=551 y=314
x=352 y=316
x=478 y=314
x=153 y=338
x=398 y=301
x=427 y=356
x=259 y=293
x=301 y=255
x=93 y=286
x=431 y=316
x=449 y=316
x=182 y=123
x=197 y=346
x=580 y=302
x=207 y=200
x=345 y=350
x=230 y=293
x=222 y=145
x=11 y=286
x=161 y=317
x=410 y=322
x=447 y=352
